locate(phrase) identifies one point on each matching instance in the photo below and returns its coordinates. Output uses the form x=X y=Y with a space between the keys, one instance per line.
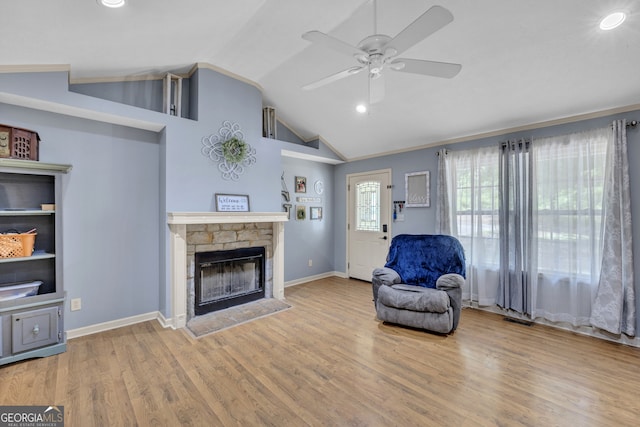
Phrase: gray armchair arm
x=383 y=276
x=449 y=281
x=387 y=276
x=452 y=284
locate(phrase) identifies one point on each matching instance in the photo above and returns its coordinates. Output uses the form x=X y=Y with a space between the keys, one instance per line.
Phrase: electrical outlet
x=76 y=304
x=310 y=263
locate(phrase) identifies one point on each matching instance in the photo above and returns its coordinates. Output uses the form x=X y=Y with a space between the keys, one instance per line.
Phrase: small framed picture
x=416 y=186
x=232 y=203
x=301 y=212
x=315 y=212
x=301 y=184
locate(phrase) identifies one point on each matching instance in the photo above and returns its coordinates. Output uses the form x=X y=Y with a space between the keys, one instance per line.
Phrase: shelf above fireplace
x=224 y=217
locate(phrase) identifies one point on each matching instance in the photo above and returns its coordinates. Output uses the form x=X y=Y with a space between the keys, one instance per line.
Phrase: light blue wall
x=144 y=94
x=110 y=212
x=284 y=134
x=191 y=178
x=308 y=239
x=124 y=181
x=422 y=220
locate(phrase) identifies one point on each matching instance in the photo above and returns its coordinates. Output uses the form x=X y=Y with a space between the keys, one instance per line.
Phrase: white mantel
x=178 y=222
x=184 y=218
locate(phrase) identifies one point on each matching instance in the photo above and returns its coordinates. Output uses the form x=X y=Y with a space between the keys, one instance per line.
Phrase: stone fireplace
x=198 y=232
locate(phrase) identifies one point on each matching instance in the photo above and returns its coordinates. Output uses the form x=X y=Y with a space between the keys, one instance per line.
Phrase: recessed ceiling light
x=361 y=108
x=613 y=20
x=111 y=3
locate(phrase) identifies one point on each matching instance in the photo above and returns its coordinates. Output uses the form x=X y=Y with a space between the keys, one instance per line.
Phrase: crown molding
x=285 y=124
x=331 y=147
x=35 y=68
x=206 y=65
x=120 y=79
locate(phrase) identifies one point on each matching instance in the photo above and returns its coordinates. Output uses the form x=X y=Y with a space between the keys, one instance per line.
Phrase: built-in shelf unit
x=32 y=293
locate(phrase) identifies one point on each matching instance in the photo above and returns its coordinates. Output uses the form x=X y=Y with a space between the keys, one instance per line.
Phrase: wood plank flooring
x=327 y=361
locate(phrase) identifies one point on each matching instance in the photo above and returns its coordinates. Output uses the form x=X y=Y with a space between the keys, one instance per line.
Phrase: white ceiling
x=524 y=61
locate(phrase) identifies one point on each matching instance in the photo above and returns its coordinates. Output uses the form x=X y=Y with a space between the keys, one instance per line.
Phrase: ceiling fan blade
x=376 y=88
x=426 y=24
x=333 y=77
x=430 y=68
x=332 y=43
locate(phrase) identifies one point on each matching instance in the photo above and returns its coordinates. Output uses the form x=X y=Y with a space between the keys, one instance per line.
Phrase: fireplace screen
x=227 y=278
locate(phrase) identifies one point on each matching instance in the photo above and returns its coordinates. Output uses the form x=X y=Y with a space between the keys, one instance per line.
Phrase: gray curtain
x=614 y=308
x=515 y=226
x=443 y=208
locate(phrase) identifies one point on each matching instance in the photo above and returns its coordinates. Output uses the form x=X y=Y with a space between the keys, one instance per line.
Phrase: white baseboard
x=166 y=323
x=314 y=277
x=113 y=324
x=581 y=330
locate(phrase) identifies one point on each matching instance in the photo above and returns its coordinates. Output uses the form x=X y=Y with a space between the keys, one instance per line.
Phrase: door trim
x=349 y=207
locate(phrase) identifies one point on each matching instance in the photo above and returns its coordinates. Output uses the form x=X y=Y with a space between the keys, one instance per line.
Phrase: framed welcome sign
x=232 y=203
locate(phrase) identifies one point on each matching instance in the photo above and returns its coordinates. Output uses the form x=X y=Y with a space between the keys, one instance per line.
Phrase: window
x=368 y=206
x=569 y=185
x=475 y=182
x=551 y=233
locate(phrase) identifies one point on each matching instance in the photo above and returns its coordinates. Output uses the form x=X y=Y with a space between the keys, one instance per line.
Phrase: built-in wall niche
x=172 y=95
x=269 y=128
x=143 y=92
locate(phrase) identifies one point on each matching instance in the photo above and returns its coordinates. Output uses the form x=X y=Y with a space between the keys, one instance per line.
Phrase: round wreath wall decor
x=234 y=150
x=229 y=149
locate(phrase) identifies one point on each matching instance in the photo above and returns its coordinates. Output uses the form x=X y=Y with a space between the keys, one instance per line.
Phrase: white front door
x=368 y=226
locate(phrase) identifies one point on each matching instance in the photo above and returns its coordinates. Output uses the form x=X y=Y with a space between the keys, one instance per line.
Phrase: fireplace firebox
x=227 y=278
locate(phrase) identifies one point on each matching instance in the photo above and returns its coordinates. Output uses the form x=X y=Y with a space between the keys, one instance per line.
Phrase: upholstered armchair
x=420 y=286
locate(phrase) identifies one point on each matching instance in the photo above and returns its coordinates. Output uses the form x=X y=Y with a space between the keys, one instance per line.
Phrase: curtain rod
x=630 y=124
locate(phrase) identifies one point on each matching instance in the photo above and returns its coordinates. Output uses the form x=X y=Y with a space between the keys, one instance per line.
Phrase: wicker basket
x=17 y=245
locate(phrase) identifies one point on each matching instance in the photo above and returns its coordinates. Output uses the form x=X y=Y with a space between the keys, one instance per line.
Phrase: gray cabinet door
x=35 y=328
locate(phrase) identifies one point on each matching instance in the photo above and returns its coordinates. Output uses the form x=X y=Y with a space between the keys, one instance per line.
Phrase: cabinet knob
x=36 y=330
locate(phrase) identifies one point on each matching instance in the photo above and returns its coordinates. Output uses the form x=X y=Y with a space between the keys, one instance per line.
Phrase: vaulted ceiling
x=523 y=62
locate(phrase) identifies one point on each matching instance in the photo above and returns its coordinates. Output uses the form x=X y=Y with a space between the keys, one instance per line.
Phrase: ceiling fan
x=379 y=52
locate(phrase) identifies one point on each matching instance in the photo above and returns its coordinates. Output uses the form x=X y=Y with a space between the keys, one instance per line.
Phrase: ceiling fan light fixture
x=112 y=3
x=612 y=20
x=390 y=52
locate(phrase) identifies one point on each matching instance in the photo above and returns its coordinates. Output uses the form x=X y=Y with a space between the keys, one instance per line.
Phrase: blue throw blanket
x=420 y=259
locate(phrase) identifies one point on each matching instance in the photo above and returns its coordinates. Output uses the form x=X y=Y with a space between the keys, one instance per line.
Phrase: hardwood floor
x=328 y=361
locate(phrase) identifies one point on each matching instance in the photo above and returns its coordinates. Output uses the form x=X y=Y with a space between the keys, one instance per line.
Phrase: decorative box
x=19 y=143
